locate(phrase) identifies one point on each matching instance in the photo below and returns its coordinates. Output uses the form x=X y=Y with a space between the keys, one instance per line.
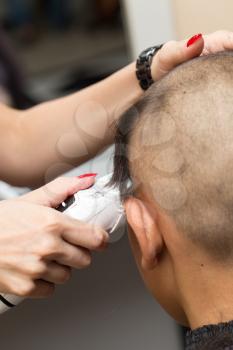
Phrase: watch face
x=145 y=55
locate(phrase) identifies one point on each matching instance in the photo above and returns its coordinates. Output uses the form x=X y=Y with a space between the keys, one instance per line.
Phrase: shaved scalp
x=178 y=143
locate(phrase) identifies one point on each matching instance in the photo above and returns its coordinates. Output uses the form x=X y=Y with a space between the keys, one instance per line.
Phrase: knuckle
x=84 y=260
x=99 y=238
x=41 y=269
x=49 y=245
x=24 y=289
x=53 y=224
x=36 y=270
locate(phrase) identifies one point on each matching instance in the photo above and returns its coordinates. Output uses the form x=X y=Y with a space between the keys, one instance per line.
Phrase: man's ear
x=146 y=231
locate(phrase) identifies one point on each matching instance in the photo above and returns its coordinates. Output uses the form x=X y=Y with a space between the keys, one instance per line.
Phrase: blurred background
x=61 y=46
x=50 y=48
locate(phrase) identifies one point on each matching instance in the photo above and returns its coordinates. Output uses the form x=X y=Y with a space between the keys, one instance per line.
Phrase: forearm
x=45 y=141
x=58 y=135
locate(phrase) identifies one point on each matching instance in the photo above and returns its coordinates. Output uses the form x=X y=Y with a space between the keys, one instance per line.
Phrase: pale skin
x=39 y=245
x=43 y=142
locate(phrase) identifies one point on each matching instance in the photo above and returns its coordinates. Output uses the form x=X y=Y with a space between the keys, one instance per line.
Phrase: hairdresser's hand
x=221 y=40
x=174 y=53
x=39 y=245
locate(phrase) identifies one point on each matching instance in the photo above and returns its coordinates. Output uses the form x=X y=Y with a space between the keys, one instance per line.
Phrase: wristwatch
x=143 y=66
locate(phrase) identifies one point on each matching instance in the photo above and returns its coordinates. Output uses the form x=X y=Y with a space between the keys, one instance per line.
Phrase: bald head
x=178 y=143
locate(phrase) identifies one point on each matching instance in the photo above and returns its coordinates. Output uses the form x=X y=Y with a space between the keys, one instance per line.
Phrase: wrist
x=145 y=67
x=155 y=68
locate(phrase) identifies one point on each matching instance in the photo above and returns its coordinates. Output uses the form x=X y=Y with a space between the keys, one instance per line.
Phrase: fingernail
x=87 y=175
x=194 y=39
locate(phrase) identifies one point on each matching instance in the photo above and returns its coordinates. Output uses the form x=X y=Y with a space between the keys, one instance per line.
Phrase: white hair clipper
x=99 y=205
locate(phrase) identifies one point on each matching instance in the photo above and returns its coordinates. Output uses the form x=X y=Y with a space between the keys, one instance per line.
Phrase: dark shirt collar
x=198 y=337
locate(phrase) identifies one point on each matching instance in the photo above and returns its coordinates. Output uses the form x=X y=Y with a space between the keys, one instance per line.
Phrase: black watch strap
x=143 y=66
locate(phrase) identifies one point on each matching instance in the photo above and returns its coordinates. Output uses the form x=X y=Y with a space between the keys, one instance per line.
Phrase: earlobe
x=146 y=231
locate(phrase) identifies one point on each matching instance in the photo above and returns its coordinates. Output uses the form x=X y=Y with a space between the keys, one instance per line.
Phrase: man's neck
x=207 y=295
x=209 y=315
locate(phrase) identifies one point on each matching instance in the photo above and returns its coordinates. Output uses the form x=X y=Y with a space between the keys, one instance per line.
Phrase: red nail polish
x=87 y=175
x=194 y=39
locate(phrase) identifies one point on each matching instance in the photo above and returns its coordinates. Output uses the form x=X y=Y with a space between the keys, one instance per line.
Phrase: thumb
x=174 y=53
x=54 y=193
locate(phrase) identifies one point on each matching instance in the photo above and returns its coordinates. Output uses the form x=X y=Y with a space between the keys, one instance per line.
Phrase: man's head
x=176 y=147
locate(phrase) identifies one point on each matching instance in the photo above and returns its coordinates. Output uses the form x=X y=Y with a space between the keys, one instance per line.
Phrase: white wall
x=149 y=22
x=152 y=22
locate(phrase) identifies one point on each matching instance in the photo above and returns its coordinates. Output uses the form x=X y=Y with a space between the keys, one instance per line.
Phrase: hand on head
x=175 y=53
